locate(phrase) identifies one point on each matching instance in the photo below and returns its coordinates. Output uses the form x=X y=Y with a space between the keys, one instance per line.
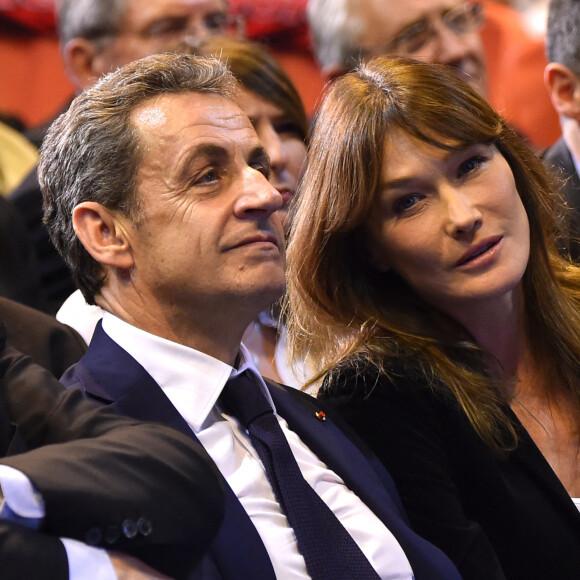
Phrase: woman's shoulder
x=357 y=379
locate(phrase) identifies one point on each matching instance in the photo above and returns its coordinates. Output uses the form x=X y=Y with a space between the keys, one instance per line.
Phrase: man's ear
x=564 y=89
x=103 y=235
x=79 y=56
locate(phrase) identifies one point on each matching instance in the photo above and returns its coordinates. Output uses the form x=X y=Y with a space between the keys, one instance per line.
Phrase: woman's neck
x=497 y=328
x=532 y=391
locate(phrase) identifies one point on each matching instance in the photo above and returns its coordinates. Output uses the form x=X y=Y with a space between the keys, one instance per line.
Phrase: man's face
x=436 y=31
x=209 y=238
x=151 y=25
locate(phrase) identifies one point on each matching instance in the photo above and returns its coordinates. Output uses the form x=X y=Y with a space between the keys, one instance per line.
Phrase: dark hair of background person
x=257 y=71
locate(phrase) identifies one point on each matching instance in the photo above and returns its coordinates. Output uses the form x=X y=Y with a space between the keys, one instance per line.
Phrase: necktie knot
x=243 y=398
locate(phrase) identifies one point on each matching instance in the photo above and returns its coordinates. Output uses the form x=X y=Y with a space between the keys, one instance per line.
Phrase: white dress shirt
x=193 y=381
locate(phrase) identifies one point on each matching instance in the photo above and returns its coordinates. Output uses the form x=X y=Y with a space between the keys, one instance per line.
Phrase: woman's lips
x=481 y=252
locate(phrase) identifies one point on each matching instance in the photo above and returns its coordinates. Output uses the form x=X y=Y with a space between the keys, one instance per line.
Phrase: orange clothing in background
x=515 y=64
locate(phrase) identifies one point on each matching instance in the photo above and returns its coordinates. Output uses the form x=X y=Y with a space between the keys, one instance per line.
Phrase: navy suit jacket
x=559 y=157
x=108 y=374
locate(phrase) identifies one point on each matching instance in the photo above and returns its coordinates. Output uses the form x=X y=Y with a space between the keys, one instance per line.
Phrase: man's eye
x=216 y=22
x=263 y=167
x=168 y=27
x=412 y=38
x=208 y=177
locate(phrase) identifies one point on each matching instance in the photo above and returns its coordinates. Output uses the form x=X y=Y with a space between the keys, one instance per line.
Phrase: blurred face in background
x=435 y=31
x=150 y=25
x=281 y=137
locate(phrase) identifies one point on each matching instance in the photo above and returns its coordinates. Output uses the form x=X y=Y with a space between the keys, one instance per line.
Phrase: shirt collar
x=183 y=373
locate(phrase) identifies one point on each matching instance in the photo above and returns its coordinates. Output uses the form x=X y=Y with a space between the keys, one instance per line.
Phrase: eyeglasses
x=461 y=19
x=176 y=27
x=216 y=23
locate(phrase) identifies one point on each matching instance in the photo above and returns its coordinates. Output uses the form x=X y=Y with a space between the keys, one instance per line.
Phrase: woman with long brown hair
x=425 y=282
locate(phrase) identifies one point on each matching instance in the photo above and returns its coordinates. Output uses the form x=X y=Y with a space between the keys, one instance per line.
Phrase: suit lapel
x=328 y=441
x=334 y=444
x=110 y=375
x=530 y=460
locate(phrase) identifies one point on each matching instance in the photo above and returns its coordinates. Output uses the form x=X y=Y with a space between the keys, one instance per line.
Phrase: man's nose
x=256 y=196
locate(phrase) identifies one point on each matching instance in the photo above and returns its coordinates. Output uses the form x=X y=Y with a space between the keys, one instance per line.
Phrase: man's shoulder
x=105 y=367
x=558 y=155
x=51 y=344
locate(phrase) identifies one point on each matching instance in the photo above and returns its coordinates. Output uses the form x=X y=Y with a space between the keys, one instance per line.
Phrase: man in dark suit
x=562 y=79
x=49 y=343
x=156 y=192
x=19 y=277
x=103 y=481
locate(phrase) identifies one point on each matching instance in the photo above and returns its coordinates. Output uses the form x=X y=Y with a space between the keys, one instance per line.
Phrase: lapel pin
x=320 y=415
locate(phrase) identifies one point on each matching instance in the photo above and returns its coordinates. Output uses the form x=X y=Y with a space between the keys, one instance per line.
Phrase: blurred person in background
x=483 y=42
x=562 y=78
x=96 y=37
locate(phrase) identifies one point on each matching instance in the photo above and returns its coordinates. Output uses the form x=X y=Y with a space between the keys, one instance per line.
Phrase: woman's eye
x=405 y=203
x=470 y=165
x=288 y=127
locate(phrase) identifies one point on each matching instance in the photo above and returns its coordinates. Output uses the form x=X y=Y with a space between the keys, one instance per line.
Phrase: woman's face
x=280 y=136
x=451 y=224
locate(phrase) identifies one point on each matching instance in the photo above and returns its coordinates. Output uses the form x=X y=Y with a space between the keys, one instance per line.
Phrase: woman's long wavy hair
x=341 y=309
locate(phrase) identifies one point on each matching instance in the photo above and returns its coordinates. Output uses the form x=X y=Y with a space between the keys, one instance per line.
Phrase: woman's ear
x=103 y=234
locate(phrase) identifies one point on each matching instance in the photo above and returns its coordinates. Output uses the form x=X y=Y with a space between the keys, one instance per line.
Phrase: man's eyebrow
x=259 y=153
x=206 y=151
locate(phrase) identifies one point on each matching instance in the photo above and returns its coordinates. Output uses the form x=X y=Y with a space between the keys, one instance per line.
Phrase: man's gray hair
x=91 y=19
x=563 y=34
x=336 y=30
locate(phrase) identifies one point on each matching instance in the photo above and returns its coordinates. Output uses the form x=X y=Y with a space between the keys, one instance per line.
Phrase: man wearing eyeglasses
x=440 y=31
x=96 y=37
x=449 y=32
